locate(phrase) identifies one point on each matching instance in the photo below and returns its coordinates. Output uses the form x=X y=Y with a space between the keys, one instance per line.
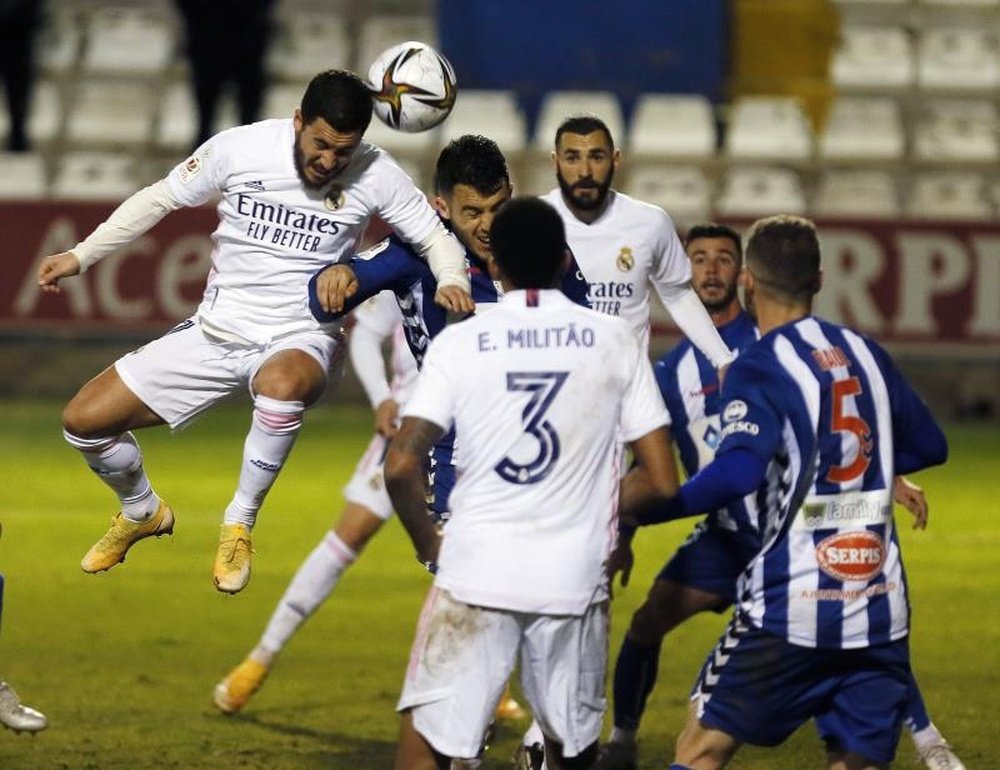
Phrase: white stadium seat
x=957 y=130
x=684 y=192
x=873 y=57
x=495 y=114
x=673 y=125
x=856 y=194
x=862 y=128
x=953 y=195
x=127 y=41
x=418 y=144
x=45 y=119
x=958 y=58
x=22 y=176
x=559 y=105
x=110 y=112
x=306 y=43
x=762 y=191
x=381 y=32
x=772 y=127
x=94 y=176
x=281 y=101
x=177 y=117
x=59 y=41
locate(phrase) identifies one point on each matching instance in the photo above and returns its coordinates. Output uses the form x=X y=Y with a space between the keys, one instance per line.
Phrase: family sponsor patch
x=855 y=509
x=851 y=556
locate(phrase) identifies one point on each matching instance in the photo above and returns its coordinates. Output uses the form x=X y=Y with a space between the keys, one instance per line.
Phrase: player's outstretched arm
x=912 y=497
x=406 y=481
x=56 y=267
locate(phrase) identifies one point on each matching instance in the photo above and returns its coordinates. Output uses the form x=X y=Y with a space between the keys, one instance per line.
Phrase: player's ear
x=441 y=206
x=819 y=281
x=616 y=158
x=297 y=120
x=554 y=157
x=493 y=268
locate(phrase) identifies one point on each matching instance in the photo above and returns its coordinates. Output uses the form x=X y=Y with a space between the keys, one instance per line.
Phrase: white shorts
x=463 y=656
x=186 y=371
x=367 y=485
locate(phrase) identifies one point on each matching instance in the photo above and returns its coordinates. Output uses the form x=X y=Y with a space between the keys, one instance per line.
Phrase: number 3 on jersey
x=543 y=387
x=848 y=423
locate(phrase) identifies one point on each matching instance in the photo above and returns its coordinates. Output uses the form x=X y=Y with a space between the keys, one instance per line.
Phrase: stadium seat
x=683 y=191
x=127 y=41
x=281 y=101
x=957 y=130
x=863 y=128
x=559 y=105
x=177 y=117
x=495 y=114
x=22 y=176
x=873 y=57
x=760 y=191
x=384 y=31
x=46 y=117
x=306 y=43
x=856 y=194
x=958 y=58
x=951 y=195
x=421 y=143
x=536 y=178
x=94 y=176
x=768 y=127
x=673 y=125
x=110 y=112
x=59 y=41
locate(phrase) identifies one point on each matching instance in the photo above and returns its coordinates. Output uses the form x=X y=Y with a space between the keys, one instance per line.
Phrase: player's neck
x=724 y=315
x=771 y=314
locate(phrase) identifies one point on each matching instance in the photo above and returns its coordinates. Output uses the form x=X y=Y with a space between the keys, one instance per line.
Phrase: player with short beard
x=296 y=194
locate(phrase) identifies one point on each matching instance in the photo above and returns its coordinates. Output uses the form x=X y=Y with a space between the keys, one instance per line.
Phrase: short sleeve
x=643 y=410
x=200 y=177
x=748 y=418
x=433 y=396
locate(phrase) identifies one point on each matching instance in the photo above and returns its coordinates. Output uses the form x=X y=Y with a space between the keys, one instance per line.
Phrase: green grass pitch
x=124 y=662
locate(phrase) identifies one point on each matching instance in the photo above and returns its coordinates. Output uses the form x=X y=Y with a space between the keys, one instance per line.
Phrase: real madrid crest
x=334 y=197
x=625 y=260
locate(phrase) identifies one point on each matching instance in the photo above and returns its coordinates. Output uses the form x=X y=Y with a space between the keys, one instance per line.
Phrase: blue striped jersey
x=829 y=413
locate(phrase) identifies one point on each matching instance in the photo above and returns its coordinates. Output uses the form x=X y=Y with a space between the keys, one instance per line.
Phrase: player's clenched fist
x=334 y=286
x=56 y=267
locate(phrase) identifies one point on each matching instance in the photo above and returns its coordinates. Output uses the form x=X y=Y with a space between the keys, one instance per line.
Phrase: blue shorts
x=759 y=689
x=711 y=559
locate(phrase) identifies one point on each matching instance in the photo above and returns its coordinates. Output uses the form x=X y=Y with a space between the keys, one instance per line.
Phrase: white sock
x=618 y=735
x=313 y=583
x=534 y=735
x=117 y=461
x=926 y=738
x=273 y=430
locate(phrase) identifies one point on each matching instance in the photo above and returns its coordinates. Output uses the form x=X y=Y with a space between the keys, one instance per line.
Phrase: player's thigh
x=106 y=406
x=297 y=367
x=865 y=714
x=357 y=525
x=459 y=664
x=564 y=663
x=366 y=487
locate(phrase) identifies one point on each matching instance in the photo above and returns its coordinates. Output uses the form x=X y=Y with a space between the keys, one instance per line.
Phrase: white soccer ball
x=413 y=87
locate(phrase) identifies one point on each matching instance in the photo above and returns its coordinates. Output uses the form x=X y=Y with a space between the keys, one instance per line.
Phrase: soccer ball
x=413 y=87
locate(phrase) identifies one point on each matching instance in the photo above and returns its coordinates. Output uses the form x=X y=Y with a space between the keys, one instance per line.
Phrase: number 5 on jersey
x=543 y=387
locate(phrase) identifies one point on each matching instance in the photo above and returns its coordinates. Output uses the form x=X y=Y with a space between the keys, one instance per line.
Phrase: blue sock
x=676 y=766
x=915 y=712
x=635 y=675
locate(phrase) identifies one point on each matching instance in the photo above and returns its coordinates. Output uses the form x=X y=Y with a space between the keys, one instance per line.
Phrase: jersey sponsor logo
x=334 y=198
x=708 y=389
x=741 y=426
x=625 y=260
x=190 y=169
x=857 y=508
x=735 y=410
x=851 y=555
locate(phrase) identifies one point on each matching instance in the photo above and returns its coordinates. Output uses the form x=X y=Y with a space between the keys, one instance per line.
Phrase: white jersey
x=274 y=233
x=376 y=320
x=631 y=245
x=541 y=393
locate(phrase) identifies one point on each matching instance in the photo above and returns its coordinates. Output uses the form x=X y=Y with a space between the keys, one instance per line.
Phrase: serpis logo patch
x=851 y=555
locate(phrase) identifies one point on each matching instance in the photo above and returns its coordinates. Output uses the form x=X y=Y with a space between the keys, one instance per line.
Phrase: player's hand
x=387 y=418
x=912 y=497
x=334 y=286
x=455 y=299
x=55 y=268
x=621 y=560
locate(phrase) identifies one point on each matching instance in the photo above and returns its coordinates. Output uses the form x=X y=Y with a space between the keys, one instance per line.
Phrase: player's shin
x=117 y=461
x=273 y=431
x=635 y=675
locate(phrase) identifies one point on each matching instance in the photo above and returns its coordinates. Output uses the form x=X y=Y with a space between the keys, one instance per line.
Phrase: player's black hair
x=583 y=125
x=715 y=230
x=782 y=252
x=529 y=243
x=473 y=160
x=341 y=98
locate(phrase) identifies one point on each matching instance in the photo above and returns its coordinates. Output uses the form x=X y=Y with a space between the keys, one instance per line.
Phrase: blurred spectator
x=226 y=43
x=18 y=25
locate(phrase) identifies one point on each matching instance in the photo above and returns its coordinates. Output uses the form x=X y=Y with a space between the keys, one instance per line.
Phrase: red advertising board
x=935 y=285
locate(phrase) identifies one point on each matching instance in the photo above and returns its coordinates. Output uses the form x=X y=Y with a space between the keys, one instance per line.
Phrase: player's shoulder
x=253 y=137
x=641 y=211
